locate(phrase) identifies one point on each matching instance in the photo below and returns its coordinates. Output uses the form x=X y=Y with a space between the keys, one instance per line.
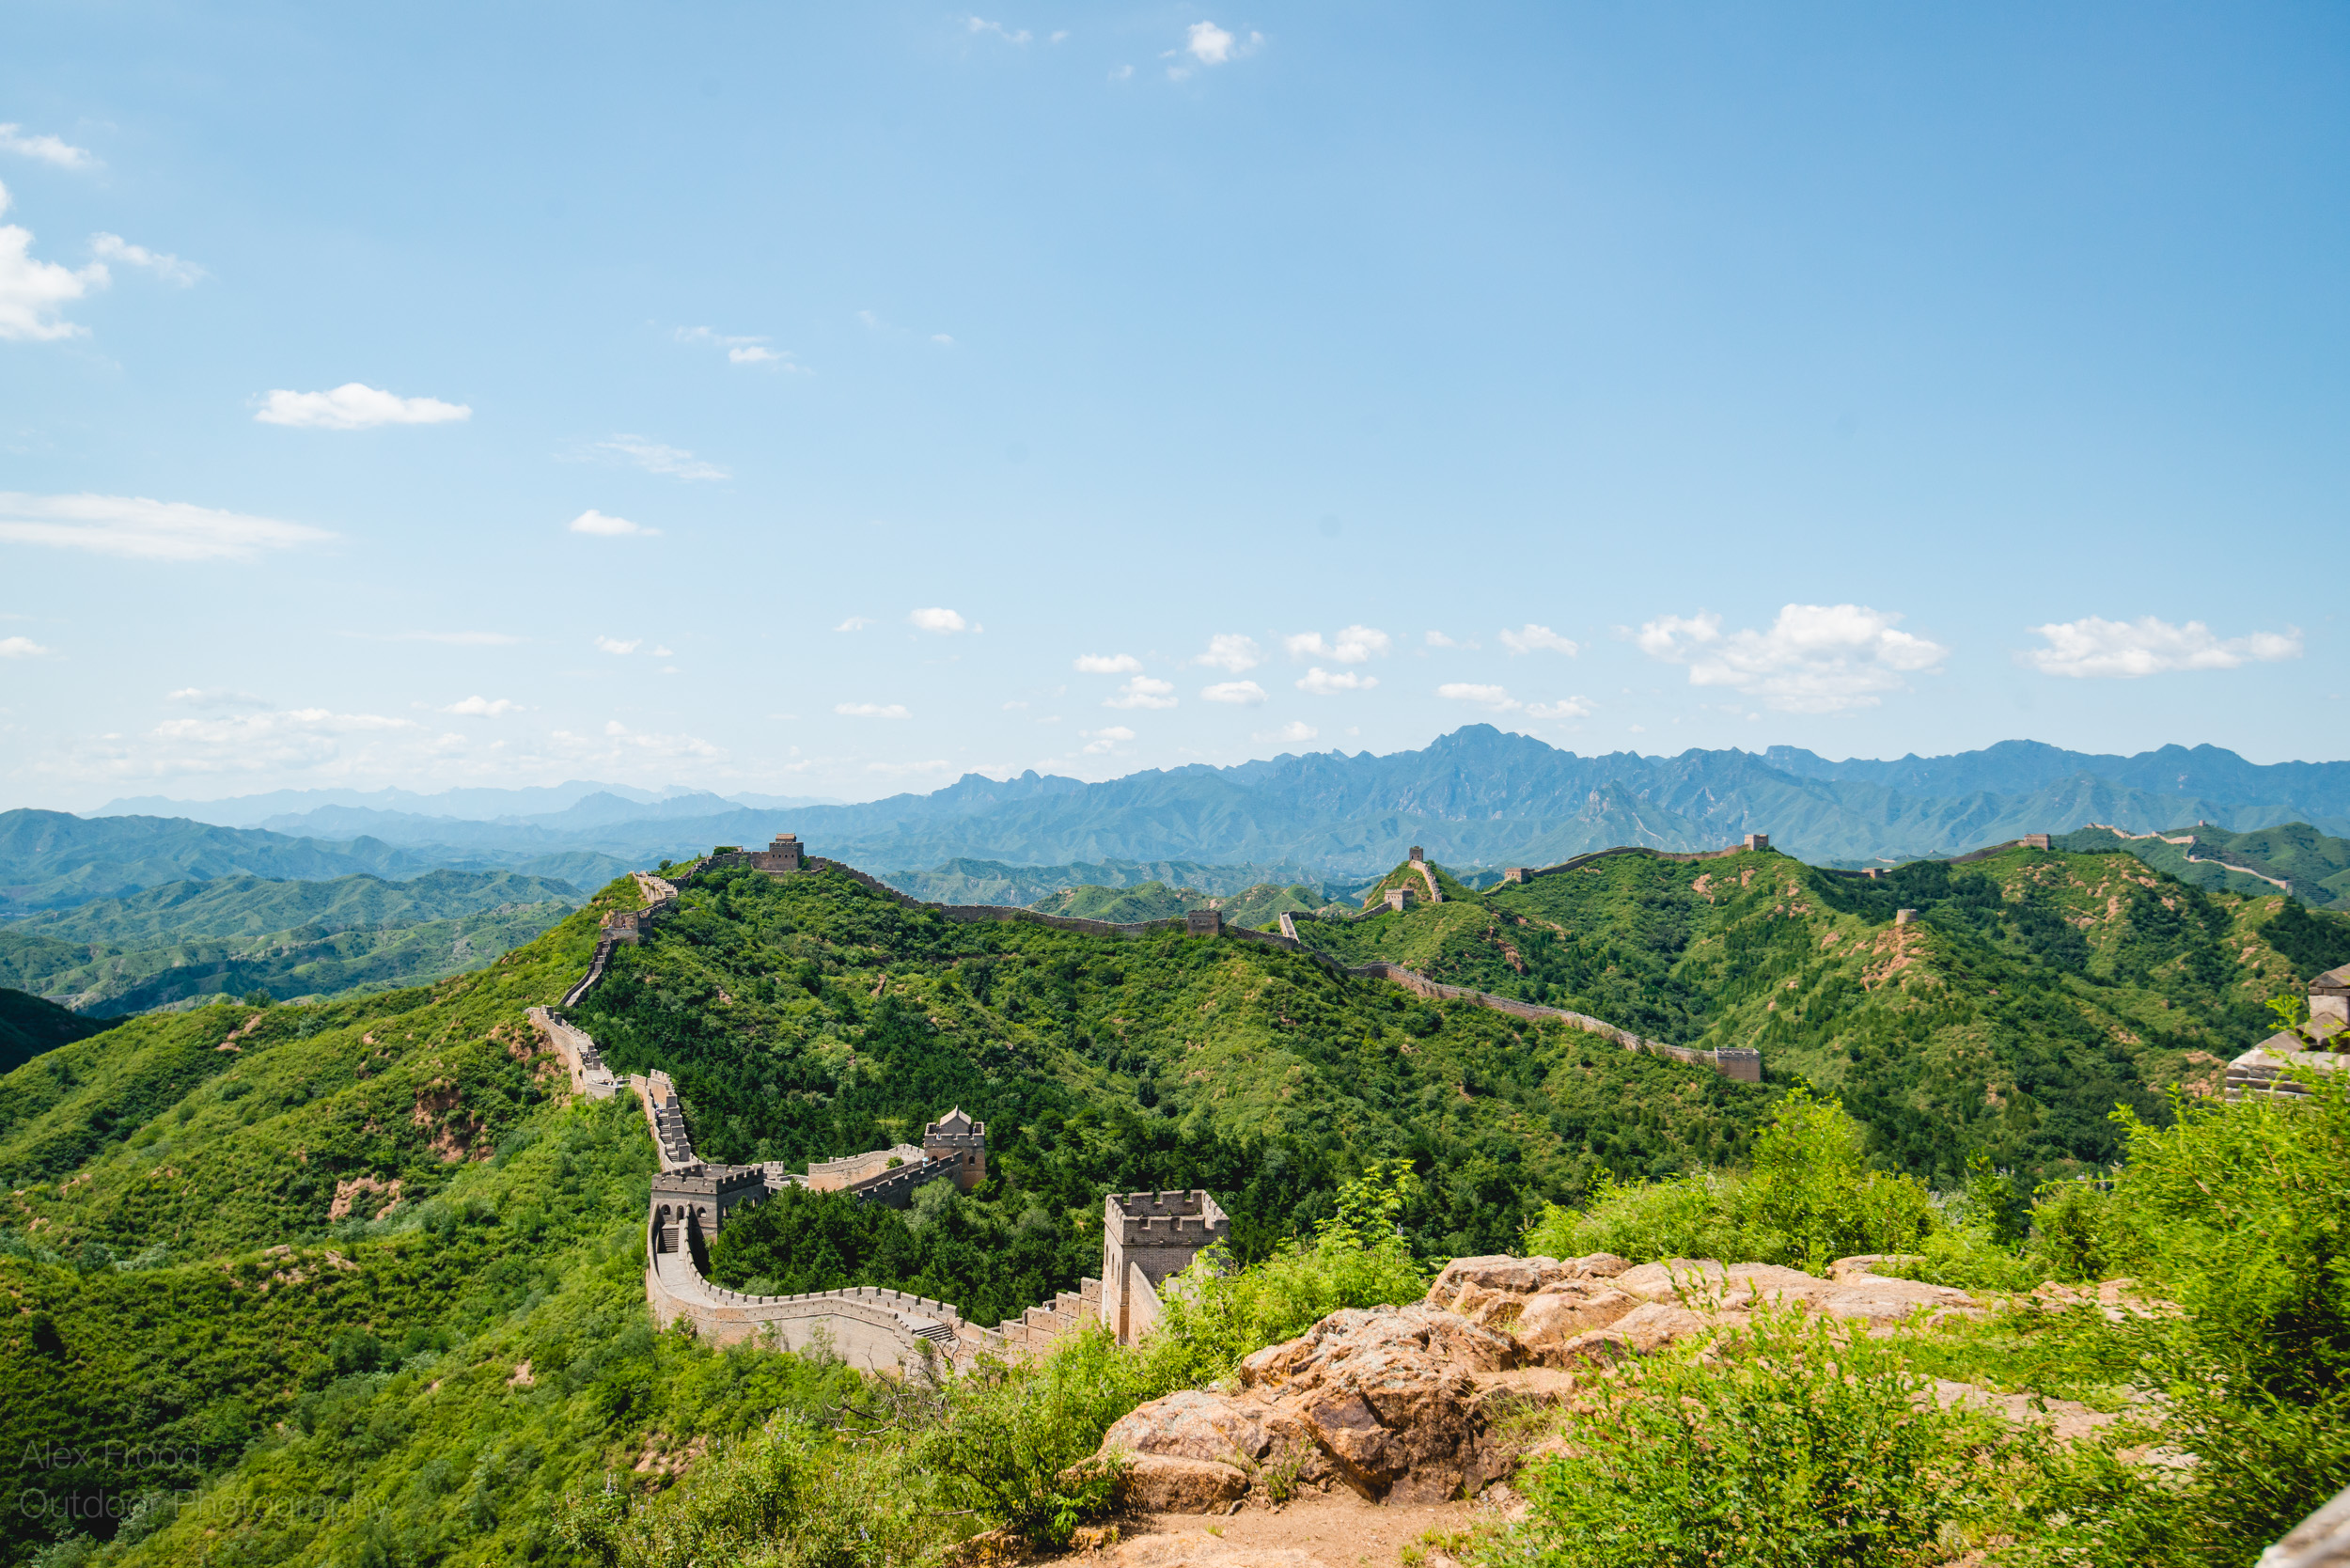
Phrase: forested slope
x=2036 y=992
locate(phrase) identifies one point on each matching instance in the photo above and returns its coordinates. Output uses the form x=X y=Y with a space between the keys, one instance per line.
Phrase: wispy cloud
x=1144 y=692
x=1324 y=683
x=616 y=645
x=1813 y=659
x=1353 y=645
x=854 y=623
x=355 y=406
x=980 y=25
x=214 y=696
x=872 y=710
x=1241 y=693
x=600 y=523
x=741 y=350
x=33 y=292
x=1207 y=44
x=143 y=530
x=1101 y=741
x=1498 y=699
x=171 y=269
x=1531 y=638
x=2094 y=649
x=1231 y=650
x=22 y=648
x=940 y=620
x=47 y=148
x=1295 y=733
x=483 y=707
x=1565 y=708
x=1109 y=664
x=654 y=456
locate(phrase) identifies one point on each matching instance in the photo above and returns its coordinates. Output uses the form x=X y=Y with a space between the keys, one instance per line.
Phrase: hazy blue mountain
x=54 y=860
x=467 y=804
x=255 y=907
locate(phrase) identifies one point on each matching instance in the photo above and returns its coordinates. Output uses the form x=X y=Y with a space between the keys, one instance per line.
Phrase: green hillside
x=30 y=1025
x=1146 y=900
x=236 y=935
x=2296 y=858
x=2038 y=990
x=386 y=1277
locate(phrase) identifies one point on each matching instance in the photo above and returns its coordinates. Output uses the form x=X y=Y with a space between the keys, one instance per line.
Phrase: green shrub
x=1010 y=1432
x=1794 y=1442
x=1809 y=1200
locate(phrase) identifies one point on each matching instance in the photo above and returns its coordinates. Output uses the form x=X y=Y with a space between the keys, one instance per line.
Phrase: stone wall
x=1156 y=1235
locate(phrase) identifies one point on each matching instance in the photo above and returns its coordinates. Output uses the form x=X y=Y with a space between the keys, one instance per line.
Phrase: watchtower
x=1758 y=841
x=956 y=1137
x=1203 y=922
x=1147 y=1239
x=782 y=856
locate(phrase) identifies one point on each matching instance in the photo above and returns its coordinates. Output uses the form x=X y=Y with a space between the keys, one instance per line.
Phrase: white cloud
x=1295 y=733
x=1351 y=645
x=48 y=148
x=1109 y=664
x=980 y=25
x=1246 y=692
x=1106 y=740
x=483 y=707
x=1530 y=637
x=1144 y=692
x=942 y=339
x=2092 y=648
x=674 y=462
x=1438 y=640
x=1566 y=707
x=1211 y=45
x=743 y=350
x=32 y=293
x=21 y=648
x=661 y=652
x=1121 y=73
x=938 y=618
x=1322 y=683
x=264 y=740
x=593 y=522
x=354 y=406
x=1231 y=650
x=1496 y=697
x=1813 y=659
x=113 y=248
x=854 y=623
x=614 y=645
x=135 y=526
x=872 y=710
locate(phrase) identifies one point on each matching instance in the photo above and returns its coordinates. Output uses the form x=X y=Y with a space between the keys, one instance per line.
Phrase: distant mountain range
x=1478 y=798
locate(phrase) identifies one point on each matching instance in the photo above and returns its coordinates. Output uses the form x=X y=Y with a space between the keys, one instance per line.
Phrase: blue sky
x=770 y=398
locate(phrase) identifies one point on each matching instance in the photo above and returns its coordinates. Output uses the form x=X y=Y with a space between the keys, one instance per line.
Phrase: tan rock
x=1163 y=1484
x=1192 y=1424
x=1649 y=1326
x=1555 y=1315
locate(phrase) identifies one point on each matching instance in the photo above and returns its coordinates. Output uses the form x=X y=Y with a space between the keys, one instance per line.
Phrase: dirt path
x=1334 y=1530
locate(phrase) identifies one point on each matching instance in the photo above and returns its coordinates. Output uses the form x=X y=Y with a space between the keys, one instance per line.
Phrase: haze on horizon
x=834 y=405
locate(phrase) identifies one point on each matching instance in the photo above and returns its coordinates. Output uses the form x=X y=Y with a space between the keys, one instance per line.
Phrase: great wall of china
x=1148 y=1237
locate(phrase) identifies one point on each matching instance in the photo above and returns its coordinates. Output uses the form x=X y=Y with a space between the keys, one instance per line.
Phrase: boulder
x=1192 y=1424
x=1552 y=1316
x=1651 y=1326
x=1163 y=1484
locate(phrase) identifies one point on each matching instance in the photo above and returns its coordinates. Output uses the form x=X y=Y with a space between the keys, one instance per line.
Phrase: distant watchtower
x=1147 y=1239
x=780 y=856
x=956 y=1137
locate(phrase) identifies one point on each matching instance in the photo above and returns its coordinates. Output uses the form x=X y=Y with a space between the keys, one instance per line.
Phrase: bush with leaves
x=1794 y=1441
x=1811 y=1198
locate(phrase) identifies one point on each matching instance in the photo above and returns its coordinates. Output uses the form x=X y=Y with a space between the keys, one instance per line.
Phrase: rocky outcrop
x=1401 y=1403
x=1394 y=1402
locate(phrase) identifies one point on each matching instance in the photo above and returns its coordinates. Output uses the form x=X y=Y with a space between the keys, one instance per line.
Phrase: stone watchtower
x=782 y=856
x=1147 y=1239
x=956 y=1137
